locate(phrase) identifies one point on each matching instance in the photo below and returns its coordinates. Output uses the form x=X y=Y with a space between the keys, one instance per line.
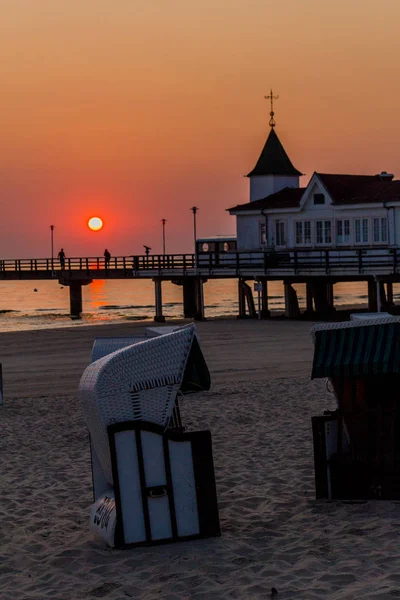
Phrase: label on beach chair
x=103 y=517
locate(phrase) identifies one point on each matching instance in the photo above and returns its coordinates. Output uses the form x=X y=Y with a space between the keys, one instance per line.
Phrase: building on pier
x=333 y=211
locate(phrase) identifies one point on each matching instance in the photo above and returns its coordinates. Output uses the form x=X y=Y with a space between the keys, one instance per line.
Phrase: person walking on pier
x=147 y=252
x=107 y=257
x=61 y=258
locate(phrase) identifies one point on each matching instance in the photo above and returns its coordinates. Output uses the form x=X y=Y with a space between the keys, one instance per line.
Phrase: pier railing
x=363 y=261
x=153 y=262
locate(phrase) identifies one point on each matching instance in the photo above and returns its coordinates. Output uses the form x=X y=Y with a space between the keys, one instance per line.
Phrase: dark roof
x=286 y=198
x=273 y=159
x=359 y=189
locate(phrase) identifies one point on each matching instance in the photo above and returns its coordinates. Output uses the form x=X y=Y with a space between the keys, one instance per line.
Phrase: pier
x=319 y=270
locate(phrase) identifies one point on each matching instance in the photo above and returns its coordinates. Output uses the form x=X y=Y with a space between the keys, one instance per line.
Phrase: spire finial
x=271 y=97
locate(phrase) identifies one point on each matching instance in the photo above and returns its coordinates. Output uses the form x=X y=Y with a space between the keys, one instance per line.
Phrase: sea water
x=45 y=304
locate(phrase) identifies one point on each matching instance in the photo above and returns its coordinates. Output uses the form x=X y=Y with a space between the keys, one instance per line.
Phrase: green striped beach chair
x=357 y=445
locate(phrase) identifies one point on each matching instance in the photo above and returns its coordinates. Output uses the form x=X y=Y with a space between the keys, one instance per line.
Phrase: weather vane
x=271 y=97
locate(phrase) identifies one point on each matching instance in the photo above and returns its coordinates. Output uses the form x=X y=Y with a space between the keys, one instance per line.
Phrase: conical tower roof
x=273 y=159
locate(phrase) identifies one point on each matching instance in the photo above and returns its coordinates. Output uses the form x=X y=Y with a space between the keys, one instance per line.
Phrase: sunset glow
x=95 y=223
x=138 y=111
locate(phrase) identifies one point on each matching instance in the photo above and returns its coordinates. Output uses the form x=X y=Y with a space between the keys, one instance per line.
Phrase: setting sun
x=95 y=223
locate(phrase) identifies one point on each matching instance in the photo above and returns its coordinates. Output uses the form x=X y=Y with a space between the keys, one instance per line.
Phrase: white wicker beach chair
x=162 y=330
x=151 y=483
x=107 y=345
x=140 y=382
x=103 y=347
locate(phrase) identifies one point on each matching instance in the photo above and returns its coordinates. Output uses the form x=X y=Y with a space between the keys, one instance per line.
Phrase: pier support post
x=189 y=297
x=265 y=312
x=378 y=297
x=193 y=296
x=75 y=294
x=242 y=298
x=246 y=298
x=75 y=299
x=309 y=299
x=248 y=294
x=389 y=294
x=329 y=296
x=199 y=299
x=159 y=317
x=372 y=296
x=382 y=296
x=292 y=309
x=323 y=297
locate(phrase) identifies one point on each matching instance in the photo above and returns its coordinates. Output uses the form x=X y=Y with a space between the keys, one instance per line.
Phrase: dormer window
x=319 y=198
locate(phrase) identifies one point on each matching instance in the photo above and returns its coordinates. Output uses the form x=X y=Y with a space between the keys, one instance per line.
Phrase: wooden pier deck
x=274 y=265
x=318 y=268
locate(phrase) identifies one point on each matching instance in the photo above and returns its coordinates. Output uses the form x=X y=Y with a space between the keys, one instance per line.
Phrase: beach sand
x=274 y=533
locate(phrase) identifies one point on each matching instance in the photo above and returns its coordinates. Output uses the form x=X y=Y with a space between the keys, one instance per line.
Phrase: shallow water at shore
x=26 y=305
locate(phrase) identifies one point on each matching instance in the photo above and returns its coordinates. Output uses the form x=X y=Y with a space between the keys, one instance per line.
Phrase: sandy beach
x=274 y=533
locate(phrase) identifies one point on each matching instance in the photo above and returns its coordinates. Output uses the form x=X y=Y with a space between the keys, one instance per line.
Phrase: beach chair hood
x=354 y=349
x=140 y=382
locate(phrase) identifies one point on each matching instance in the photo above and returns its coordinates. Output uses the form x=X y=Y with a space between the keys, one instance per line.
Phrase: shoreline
x=67 y=322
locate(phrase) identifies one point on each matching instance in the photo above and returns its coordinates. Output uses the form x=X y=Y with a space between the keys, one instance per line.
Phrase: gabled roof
x=286 y=198
x=359 y=189
x=273 y=159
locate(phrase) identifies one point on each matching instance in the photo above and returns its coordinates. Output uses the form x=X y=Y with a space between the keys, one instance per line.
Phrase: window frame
x=344 y=242
x=283 y=223
x=262 y=234
x=361 y=221
x=319 y=195
x=381 y=221
x=324 y=229
x=302 y=223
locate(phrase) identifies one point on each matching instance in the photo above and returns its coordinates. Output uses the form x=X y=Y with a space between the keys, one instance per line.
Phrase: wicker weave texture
x=349 y=324
x=139 y=382
x=106 y=345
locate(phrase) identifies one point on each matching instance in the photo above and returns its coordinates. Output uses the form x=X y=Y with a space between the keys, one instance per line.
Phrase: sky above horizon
x=136 y=111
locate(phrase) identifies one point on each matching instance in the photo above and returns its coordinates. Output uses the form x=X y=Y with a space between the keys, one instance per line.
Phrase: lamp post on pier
x=163 y=221
x=52 y=248
x=194 y=210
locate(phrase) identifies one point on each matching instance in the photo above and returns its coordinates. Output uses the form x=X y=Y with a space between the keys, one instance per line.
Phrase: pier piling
x=158 y=317
x=75 y=293
x=265 y=312
x=199 y=299
x=292 y=309
x=246 y=299
x=309 y=299
x=372 y=296
x=389 y=294
x=189 y=297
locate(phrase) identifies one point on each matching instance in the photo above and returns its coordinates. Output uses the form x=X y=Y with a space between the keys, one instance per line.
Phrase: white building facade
x=334 y=211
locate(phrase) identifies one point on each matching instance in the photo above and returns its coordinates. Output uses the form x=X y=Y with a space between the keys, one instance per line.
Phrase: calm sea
x=45 y=304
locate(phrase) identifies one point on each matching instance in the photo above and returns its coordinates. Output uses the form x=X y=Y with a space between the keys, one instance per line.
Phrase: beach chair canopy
x=356 y=348
x=140 y=382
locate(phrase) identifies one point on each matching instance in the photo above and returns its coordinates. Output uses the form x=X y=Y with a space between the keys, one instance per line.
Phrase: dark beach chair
x=357 y=446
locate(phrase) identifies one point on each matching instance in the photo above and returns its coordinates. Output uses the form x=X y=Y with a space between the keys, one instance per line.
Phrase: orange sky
x=136 y=111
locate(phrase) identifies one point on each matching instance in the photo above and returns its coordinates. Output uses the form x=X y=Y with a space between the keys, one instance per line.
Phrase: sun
x=95 y=223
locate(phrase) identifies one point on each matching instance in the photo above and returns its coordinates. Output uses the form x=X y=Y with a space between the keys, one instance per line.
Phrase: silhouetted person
x=61 y=258
x=107 y=257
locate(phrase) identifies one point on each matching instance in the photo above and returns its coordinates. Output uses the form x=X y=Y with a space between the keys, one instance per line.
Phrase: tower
x=274 y=170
